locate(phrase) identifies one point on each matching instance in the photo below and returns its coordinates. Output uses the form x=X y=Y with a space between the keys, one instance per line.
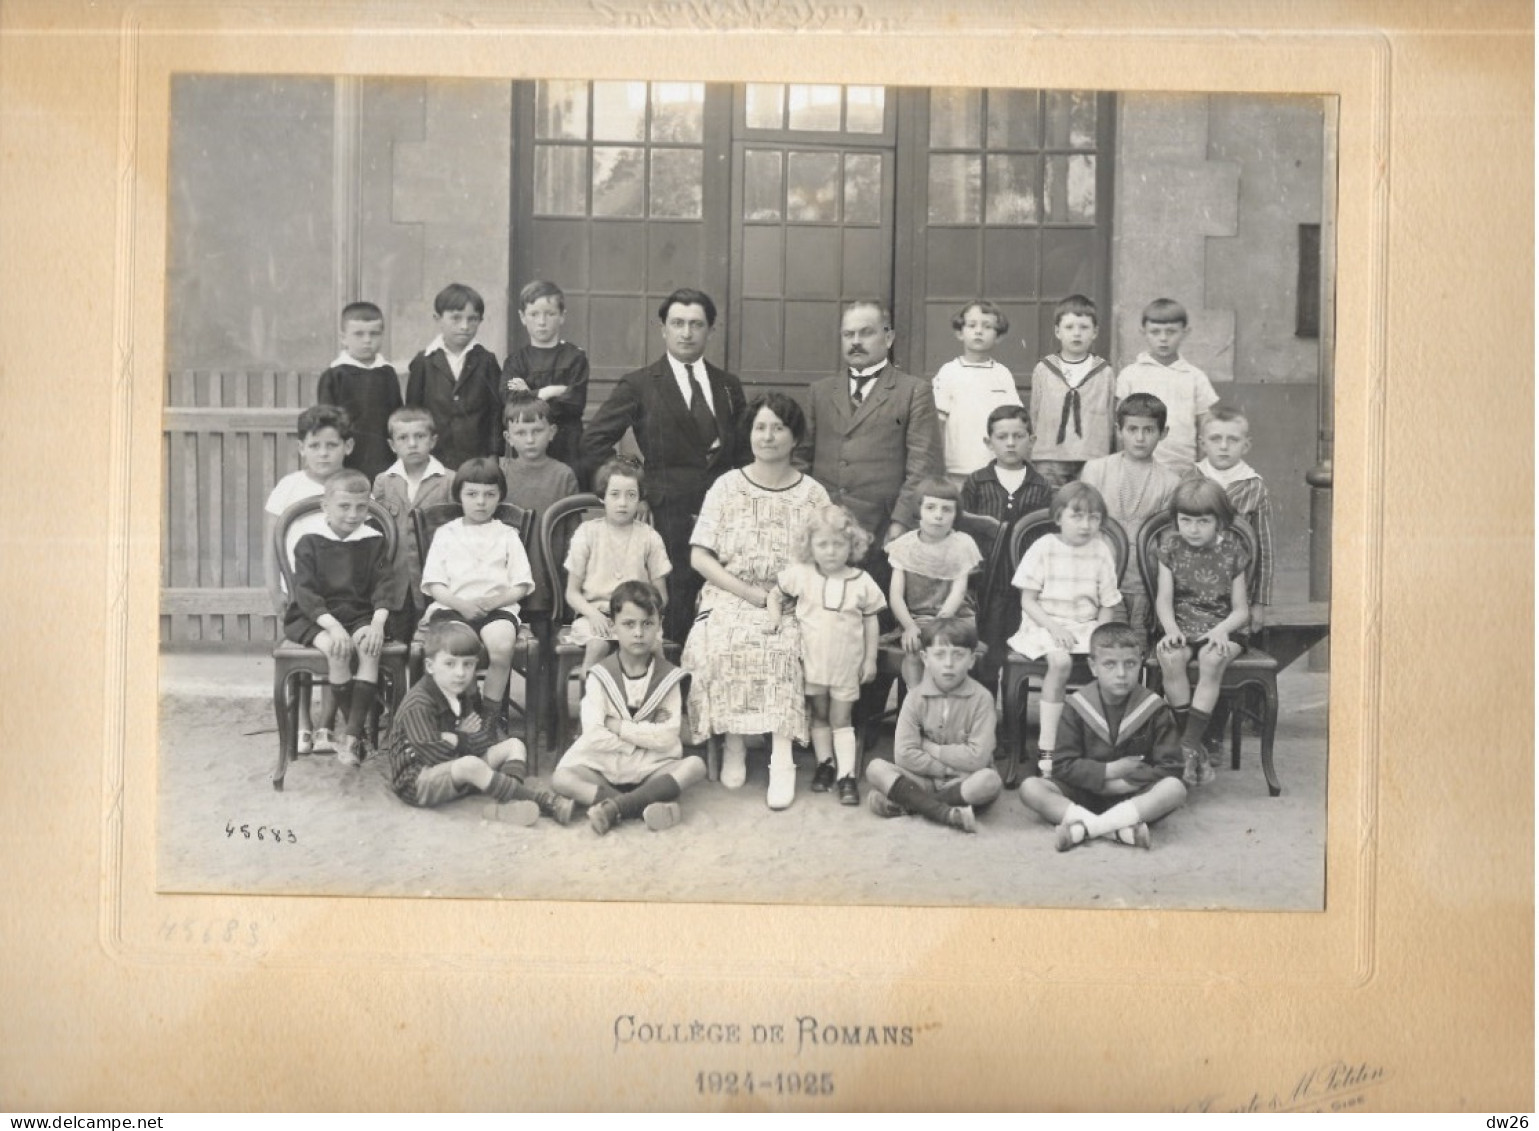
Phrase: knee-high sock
x=1196 y=723
x=1120 y=816
x=505 y=789
x=916 y=799
x=341 y=711
x=1048 y=736
x=822 y=743
x=845 y=751
x=659 y=787
x=363 y=702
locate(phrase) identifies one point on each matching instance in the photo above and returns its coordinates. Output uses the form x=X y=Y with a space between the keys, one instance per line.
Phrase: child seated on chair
x=1202 y=608
x=944 y=741
x=629 y=760
x=607 y=551
x=325 y=439
x=477 y=572
x=1117 y=757
x=415 y=481
x=442 y=745
x=1068 y=584
x=345 y=589
x=930 y=568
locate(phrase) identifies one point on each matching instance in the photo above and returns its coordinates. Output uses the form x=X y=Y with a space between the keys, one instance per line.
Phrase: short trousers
x=477 y=623
x=1095 y=802
x=1238 y=638
x=627 y=769
x=581 y=632
x=843 y=694
x=434 y=786
x=311 y=631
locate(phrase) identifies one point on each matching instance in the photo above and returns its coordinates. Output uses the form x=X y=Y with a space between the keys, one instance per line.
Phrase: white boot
x=734 y=761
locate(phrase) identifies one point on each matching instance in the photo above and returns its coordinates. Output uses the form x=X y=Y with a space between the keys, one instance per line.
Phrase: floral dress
x=1204 y=579
x=745 y=680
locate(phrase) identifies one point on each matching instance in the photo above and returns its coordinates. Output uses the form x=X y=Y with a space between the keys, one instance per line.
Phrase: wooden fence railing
x=227 y=438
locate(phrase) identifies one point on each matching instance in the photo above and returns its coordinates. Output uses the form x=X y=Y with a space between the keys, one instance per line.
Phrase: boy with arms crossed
x=441 y=747
x=1117 y=762
x=944 y=742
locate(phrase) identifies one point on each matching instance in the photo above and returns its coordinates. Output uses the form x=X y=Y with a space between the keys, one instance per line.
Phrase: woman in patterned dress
x=746 y=676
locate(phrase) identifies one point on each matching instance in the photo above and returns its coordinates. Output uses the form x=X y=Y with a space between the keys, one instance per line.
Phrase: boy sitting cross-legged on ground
x=944 y=742
x=1117 y=762
x=629 y=760
x=442 y=746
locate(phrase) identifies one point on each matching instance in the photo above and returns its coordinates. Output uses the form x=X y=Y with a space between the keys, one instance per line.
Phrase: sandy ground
x=1232 y=846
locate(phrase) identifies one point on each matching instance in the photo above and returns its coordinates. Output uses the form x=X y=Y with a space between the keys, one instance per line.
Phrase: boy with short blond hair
x=345 y=589
x=1117 y=762
x=459 y=382
x=1226 y=442
x=1135 y=488
x=415 y=481
x=1072 y=394
x=1161 y=371
x=365 y=384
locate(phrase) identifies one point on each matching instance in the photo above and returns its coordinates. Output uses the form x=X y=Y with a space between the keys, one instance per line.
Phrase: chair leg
x=1268 y=733
x=712 y=758
x=1015 y=727
x=1236 y=730
x=281 y=711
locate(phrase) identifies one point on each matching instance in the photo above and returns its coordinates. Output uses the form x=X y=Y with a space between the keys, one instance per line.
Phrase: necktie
x=1070 y=407
x=699 y=407
x=862 y=388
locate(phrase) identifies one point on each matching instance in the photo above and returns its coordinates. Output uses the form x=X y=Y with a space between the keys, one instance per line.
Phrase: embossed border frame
x=1022 y=953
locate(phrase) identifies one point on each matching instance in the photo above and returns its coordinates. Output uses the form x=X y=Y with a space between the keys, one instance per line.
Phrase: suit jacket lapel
x=879 y=392
x=669 y=395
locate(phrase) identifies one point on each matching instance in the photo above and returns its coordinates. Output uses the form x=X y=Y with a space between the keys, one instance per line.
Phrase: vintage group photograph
x=767 y=492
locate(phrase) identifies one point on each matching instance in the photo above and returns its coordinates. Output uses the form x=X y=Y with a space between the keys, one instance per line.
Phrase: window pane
x=1013 y=119
x=761 y=184
x=560 y=180
x=678 y=111
x=1012 y=189
x=1071 y=119
x=953 y=118
x=561 y=110
x=765 y=109
x=676 y=177
x=863 y=188
x=955 y=183
x=619 y=111
x=812 y=187
x=617 y=181
x=814 y=107
x=1069 y=190
x=864 y=109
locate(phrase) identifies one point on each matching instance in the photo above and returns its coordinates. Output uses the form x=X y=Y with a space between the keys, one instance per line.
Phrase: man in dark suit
x=872 y=432
x=684 y=413
x=872 y=438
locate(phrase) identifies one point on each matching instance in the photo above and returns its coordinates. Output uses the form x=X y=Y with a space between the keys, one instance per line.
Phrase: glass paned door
x=813 y=171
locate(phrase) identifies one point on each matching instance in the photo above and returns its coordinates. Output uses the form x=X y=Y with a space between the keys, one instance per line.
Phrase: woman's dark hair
x=783 y=406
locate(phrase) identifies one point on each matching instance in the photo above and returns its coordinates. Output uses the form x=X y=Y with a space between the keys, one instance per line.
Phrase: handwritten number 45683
x=262 y=832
